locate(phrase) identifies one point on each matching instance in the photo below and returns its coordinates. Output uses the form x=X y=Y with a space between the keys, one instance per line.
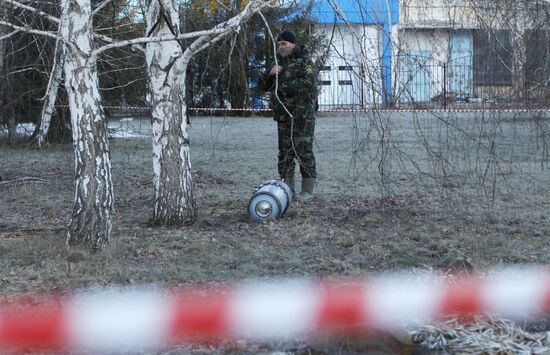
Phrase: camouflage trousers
x=296 y=144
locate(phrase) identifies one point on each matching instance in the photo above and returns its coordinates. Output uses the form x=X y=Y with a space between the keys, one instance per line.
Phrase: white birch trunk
x=174 y=201
x=91 y=220
x=12 y=128
x=2 y=48
x=7 y=115
x=519 y=58
x=51 y=95
x=2 y=74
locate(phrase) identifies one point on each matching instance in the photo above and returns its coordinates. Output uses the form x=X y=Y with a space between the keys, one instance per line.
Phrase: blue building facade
x=353 y=78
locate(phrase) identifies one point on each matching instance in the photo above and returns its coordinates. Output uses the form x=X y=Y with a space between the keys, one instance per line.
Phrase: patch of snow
x=26 y=128
x=129 y=127
x=124 y=128
x=127 y=135
x=23 y=129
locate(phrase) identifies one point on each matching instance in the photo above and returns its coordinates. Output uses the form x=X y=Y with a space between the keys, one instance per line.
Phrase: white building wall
x=439 y=14
x=425 y=24
x=352 y=75
x=424 y=50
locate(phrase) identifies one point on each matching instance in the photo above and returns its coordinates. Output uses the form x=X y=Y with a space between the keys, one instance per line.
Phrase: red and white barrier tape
x=381 y=110
x=437 y=110
x=122 y=319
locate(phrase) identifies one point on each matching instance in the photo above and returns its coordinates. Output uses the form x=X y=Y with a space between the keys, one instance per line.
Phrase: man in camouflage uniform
x=292 y=81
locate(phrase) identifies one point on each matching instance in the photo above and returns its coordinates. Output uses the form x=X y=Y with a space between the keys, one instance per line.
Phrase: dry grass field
x=395 y=192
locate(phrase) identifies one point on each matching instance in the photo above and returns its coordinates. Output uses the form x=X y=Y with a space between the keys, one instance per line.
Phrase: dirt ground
x=395 y=191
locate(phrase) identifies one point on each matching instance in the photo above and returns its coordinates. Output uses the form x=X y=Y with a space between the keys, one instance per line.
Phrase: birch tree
x=167 y=62
x=50 y=96
x=6 y=107
x=91 y=220
x=3 y=36
x=174 y=201
x=28 y=57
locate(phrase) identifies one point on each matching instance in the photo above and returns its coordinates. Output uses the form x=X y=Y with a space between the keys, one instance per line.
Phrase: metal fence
x=422 y=82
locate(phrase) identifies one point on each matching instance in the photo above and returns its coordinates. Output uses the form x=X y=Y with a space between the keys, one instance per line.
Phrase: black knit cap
x=288 y=36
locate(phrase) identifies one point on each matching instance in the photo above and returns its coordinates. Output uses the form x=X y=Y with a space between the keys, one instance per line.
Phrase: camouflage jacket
x=294 y=90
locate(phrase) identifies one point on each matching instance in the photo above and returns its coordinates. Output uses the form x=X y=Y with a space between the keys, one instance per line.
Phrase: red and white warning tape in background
x=131 y=319
x=397 y=110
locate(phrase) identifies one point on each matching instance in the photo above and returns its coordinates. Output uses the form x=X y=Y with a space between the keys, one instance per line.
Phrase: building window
x=537 y=64
x=325 y=82
x=345 y=67
x=325 y=67
x=492 y=57
x=344 y=82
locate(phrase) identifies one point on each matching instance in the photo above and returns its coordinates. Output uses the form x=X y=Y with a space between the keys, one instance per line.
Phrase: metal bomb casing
x=269 y=201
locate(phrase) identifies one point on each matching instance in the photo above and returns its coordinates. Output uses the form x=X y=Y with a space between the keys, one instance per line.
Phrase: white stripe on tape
x=118 y=320
x=515 y=293
x=398 y=300
x=276 y=310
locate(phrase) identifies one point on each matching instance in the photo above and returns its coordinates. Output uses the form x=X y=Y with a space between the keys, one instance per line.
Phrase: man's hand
x=276 y=70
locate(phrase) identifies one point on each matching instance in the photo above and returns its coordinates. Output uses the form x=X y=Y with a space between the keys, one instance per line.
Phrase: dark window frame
x=492 y=62
x=537 y=64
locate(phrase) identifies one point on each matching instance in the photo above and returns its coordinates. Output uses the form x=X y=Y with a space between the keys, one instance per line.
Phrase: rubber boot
x=291 y=182
x=308 y=184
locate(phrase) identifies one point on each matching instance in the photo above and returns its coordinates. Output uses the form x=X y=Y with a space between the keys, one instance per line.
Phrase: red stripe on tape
x=463 y=299
x=342 y=308
x=546 y=299
x=38 y=327
x=199 y=317
x=249 y=310
x=480 y=110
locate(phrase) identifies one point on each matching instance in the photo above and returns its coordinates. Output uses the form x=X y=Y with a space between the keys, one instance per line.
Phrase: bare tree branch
x=6 y=36
x=224 y=28
x=140 y=40
x=26 y=178
x=111 y=41
x=230 y=25
x=32 y=9
x=101 y=6
x=52 y=19
x=122 y=86
x=27 y=29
